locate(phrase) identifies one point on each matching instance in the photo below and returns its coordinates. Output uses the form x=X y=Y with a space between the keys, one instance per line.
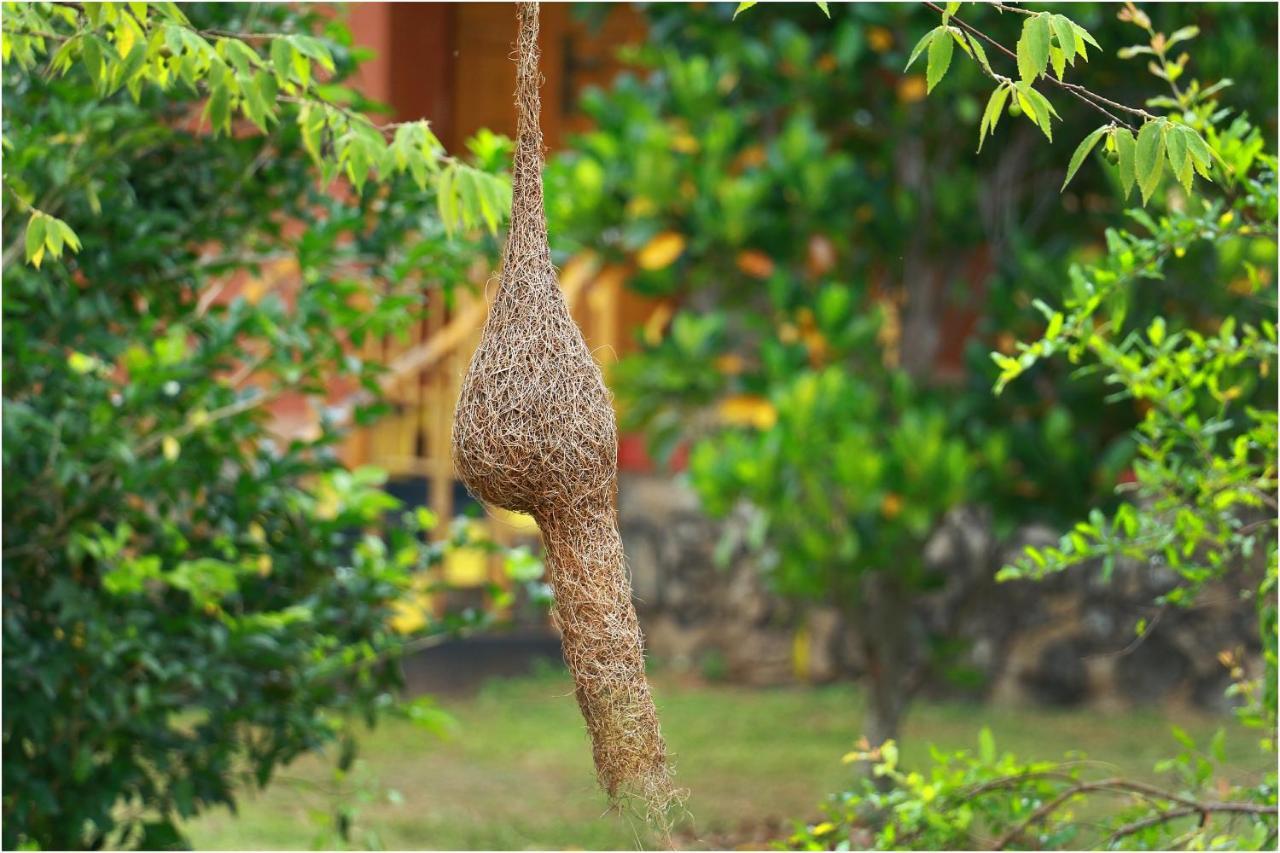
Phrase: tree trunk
x=882 y=623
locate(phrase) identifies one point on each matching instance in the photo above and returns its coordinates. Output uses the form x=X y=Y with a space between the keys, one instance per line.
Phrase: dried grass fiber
x=534 y=432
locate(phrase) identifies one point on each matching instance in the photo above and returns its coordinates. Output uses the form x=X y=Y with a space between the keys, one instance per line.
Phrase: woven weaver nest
x=534 y=432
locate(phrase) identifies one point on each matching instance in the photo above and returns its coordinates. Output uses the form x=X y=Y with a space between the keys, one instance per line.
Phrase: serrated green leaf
x=991 y=115
x=1082 y=151
x=1028 y=107
x=1058 y=60
x=1125 y=152
x=940 y=50
x=979 y=52
x=1084 y=36
x=1033 y=47
x=1149 y=157
x=1186 y=175
x=924 y=42
x=1037 y=108
x=1065 y=36
x=1201 y=154
x=1179 y=157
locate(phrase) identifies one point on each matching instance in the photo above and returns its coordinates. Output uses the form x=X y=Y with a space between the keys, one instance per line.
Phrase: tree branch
x=1093 y=99
x=1188 y=806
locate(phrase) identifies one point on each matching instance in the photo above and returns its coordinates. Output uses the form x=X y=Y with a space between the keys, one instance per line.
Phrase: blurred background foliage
x=193 y=597
x=836 y=264
x=801 y=204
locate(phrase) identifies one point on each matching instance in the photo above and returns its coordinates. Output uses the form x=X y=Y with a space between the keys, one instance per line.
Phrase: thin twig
x=1153 y=820
x=1118 y=785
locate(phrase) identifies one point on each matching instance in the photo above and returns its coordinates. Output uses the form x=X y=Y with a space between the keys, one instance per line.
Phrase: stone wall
x=1068 y=640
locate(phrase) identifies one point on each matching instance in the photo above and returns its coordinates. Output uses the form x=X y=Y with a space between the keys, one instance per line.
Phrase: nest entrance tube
x=534 y=432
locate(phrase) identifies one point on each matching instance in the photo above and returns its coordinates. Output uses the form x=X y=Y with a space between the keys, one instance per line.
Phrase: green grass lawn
x=517 y=772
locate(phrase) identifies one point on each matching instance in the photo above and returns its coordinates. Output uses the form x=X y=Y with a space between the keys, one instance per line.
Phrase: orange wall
x=451 y=63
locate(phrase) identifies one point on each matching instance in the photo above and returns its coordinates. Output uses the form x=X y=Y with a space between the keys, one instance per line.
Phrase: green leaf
x=301 y=68
x=314 y=48
x=219 y=108
x=69 y=237
x=35 y=238
x=92 y=55
x=1059 y=61
x=979 y=52
x=1176 y=145
x=1179 y=156
x=823 y=6
x=53 y=238
x=742 y=7
x=1033 y=47
x=924 y=42
x=986 y=746
x=1218 y=744
x=82 y=364
x=1082 y=35
x=1149 y=157
x=1082 y=151
x=1156 y=331
x=940 y=50
x=445 y=201
x=991 y=115
x=1200 y=152
x=1037 y=107
x=1125 y=152
x=126 y=70
x=281 y=59
x=1065 y=36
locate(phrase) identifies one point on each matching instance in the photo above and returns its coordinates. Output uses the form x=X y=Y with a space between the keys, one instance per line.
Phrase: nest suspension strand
x=534 y=432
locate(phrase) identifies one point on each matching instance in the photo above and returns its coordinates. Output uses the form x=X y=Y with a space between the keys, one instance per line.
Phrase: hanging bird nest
x=534 y=432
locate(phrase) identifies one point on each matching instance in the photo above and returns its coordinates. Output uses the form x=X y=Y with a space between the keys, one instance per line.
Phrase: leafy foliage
x=193 y=599
x=137 y=46
x=1204 y=497
x=1202 y=502
x=849 y=478
x=790 y=196
x=986 y=800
